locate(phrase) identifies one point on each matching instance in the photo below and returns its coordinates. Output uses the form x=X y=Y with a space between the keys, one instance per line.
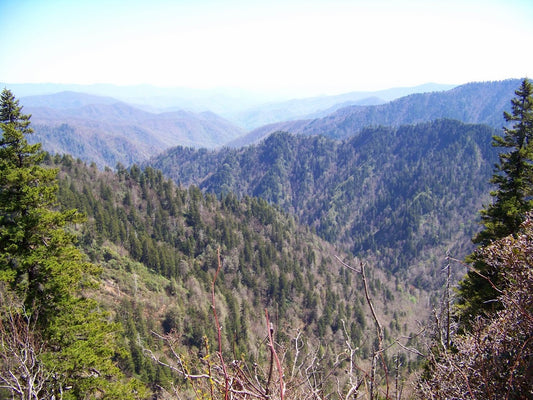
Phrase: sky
x=293 y=47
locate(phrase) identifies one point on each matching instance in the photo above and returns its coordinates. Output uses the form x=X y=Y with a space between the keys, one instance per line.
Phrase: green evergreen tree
x=512 y=200
x=514 y=173
x=29 y=228
x=41 y=268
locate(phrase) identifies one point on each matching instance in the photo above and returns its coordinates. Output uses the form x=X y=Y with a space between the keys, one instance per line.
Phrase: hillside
x=241 y=107
x=195 y=255
x=407 y=194
x=157 y=245
x=105 y=131
x=314 y=107
x=66 y=99
x=478 y=102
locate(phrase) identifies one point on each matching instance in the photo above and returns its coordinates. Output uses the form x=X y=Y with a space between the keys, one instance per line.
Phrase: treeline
x=410 y=192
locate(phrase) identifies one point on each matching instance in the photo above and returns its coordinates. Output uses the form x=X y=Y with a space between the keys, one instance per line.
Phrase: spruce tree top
x=11 y=112
x=514 y=172
x=513 y=198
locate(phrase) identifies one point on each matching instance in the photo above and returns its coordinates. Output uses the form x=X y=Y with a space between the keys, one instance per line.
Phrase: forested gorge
x=409 y=193
x=302 y=267
x=158 y=245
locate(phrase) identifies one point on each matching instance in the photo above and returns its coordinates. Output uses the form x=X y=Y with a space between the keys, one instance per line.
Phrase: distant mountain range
x=480 y=102
x=315 y=107
x=235 y=105
x=107 y=131
x=153 y=98
x=65 y=100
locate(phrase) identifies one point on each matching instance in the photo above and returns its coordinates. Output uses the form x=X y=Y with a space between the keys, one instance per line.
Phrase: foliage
x=45 y=278
x=490 y=355
x=35 y=247
x=514 y=172
x=304 y=373
x=494 y=359
x=375 y=193
x=157 y=245
x=513 y=198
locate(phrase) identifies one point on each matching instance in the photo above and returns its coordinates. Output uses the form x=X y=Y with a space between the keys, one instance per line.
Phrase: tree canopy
x=44 y=282
x=513 y=198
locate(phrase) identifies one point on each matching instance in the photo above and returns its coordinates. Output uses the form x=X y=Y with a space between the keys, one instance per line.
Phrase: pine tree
x=514 y=173
x=512 y=200
x=42 y=269
x=30 y=230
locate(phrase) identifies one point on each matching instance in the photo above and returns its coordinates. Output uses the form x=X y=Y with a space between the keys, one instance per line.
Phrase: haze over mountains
x=153 y=98
x=106 y=131
x=236 y=105
x=109 y=131
x=315 y=107
x=482 y=102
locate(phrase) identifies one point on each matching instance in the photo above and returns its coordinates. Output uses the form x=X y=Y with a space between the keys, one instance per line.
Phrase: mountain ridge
x=65 y=99
x=108 y=132
x=298 y=108
x=197 y=100
x=475 y=102
x=380 y=189
x=113 y=131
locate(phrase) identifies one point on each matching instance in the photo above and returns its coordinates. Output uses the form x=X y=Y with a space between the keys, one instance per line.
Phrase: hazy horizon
x=43 y=88
x=288 y=49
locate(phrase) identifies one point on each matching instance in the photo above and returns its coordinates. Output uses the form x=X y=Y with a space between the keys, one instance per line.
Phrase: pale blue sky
x=292 y=46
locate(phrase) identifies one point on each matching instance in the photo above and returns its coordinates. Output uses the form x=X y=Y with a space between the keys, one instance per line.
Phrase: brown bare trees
x=494 y=360
x=22 y=372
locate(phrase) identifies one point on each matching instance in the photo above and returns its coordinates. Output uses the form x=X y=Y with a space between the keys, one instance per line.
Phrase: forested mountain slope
x=314 y=107
x=245 y=109
x=407 y=193
x=478 y=102
x=106 y=131
x=157 y=244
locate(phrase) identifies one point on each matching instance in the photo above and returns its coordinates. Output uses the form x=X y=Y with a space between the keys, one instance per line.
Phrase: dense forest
x=412 y=193
x=302 y=267
x=157 y=244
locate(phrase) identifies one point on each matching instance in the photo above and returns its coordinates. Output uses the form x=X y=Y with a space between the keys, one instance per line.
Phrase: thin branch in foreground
x=218 y=327
x=379 y=331
x=275 y=355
